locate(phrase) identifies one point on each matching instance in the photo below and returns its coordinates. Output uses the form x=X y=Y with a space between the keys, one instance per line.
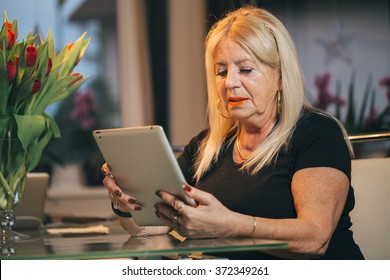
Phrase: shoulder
x=312 y=123
x=318 y=140
x=311 y=117
x=197 y=139
x=192 y=148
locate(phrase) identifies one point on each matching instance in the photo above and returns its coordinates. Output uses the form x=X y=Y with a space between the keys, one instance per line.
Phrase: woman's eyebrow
x=241 y=61
x=235 y=62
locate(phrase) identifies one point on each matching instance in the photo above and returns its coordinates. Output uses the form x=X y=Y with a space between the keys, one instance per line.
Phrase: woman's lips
x=236 y=101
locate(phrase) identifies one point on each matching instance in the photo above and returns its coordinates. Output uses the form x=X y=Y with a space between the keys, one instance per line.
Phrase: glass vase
x=13 y=174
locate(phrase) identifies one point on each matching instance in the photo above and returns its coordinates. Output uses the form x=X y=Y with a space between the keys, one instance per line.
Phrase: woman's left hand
x=208 y=219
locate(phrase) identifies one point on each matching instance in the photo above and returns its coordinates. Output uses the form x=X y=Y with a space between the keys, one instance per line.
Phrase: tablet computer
x=142 y=162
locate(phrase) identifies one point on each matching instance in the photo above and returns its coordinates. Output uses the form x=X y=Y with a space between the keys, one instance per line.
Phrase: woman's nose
x=232 y=80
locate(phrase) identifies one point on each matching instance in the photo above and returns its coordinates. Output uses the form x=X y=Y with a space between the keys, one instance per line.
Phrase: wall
x=187 y=84
x=339 y=37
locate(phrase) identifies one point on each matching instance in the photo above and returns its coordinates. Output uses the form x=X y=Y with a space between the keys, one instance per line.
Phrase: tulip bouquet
x=32 y=77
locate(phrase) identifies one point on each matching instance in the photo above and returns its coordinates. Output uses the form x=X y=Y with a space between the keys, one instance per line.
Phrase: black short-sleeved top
x=317 y=141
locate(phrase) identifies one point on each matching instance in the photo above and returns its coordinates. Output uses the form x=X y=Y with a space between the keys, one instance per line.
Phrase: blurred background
x=145 y=63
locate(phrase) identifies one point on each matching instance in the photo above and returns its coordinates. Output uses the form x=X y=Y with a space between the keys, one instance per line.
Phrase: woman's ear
x=280 y=85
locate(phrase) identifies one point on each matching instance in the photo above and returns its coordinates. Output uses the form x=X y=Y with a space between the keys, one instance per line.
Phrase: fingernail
x=156 y=206
x=138 y=208
x=157 y=214
x=158 y=194
x=118 y=193
x=187 y=188
x=132 y=200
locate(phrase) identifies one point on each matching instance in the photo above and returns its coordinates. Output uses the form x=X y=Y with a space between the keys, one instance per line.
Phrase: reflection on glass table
x=118 y=244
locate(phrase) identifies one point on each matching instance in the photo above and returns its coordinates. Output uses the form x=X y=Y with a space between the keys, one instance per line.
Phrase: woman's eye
x=221 y=73
x=246 y=70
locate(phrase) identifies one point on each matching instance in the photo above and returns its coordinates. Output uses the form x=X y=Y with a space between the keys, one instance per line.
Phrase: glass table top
x=118 y=244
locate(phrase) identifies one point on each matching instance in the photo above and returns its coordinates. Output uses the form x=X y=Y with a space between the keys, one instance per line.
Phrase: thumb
x=200 y=197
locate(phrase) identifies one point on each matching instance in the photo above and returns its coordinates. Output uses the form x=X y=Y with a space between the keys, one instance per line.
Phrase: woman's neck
x=250 y=137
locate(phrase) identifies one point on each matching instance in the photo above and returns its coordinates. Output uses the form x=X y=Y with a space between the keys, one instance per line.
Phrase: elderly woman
x=268 y=166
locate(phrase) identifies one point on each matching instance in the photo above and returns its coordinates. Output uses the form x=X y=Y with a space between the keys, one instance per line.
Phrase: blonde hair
x=265 y=37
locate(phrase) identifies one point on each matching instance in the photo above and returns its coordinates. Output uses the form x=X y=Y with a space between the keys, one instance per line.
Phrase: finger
x=116 y=205
x=180 y=209
x=129 y=202
x=125 y=206
x=201 y=197
x=111 y=185
x=168 y=212
x=105 y=169
x=106 y=166
x=116 y=191
x=168 y=220
x=125 y=203
x=165 y=210
x=167 y=197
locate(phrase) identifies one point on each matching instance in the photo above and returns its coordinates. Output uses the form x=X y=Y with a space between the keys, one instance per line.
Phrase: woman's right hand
x=126 y=203
x=120 y=200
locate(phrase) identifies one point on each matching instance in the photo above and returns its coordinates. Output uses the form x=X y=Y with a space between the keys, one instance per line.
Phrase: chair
x=371 y=215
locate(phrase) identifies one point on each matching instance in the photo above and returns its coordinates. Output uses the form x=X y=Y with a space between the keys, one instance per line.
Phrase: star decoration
x=336 y=47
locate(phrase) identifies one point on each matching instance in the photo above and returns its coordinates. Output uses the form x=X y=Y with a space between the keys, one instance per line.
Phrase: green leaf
x=4 y=35
x=72 y=56
x=51 y=49
x=59 y=58
x=372 y=103
x=5 y=17
x=21 y=66
x=52 y=92
x=31 y=38
x=364 y=104
x=43 y=56
x=45 y=94
x=14 y=28
x=4 y=84
x=4 y=124
x=52 y=125
x=350 y=118
x=17 y=49
x=37 y=150
x=84 y=47
x=30 y=129
x=70 y=90
x=23 y=95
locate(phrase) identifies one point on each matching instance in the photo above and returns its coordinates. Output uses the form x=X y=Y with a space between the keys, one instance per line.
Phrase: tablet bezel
x=142 y=163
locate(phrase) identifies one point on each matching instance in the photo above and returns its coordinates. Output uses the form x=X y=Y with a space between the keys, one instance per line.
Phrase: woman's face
x=247 y=86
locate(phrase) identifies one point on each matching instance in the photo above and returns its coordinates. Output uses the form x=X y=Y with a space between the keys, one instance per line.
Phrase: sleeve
x=321 y=143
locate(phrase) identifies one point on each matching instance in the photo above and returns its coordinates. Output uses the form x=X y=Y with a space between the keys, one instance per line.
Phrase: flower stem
x=6 y=186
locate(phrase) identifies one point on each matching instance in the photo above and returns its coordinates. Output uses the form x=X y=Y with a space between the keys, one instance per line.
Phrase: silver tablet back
x=142 y=162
